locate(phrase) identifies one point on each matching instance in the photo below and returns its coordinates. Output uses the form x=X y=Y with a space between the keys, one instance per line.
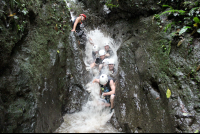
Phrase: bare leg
x=104 y=103
x=112 y=100
x=107 y=104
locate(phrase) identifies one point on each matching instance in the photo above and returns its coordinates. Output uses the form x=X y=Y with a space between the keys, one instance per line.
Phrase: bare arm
x=91 y=42
x=100 y=66
x=95 y=80
x=92 y=65
x=78 y=19
x=107 y=55
x=112 y=85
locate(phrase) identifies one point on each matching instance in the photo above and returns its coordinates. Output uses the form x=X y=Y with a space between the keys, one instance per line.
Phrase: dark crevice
x=154 y=85
x=18 y=44
x=139 y=128
x=32 y=17
x=126 y=128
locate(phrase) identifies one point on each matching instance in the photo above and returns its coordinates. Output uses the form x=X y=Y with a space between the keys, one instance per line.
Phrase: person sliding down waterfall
x=76 y=26
x=95 y=50
x=107 y=89
x=98 y=61
x=95 y=54
x=112 y=70
x=109 y=51
x=110 y=64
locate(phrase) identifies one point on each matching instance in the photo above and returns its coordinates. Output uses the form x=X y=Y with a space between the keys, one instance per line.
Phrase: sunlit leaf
x=12 y=14
x=196 y=20
x=58 y=51
x=197 y=131
x=195 y=25
x=184 y=29
x=168 y=93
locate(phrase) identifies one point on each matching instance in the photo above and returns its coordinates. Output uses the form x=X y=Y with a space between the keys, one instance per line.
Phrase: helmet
x=106 y=61
x=95 y=48
x=83 y=15
x=111 y=61
x=107 y=43
x=103 y=79
x=102 y=52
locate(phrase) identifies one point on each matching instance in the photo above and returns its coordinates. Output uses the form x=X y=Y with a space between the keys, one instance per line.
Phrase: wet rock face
x=122 y=8
x=146 y=70
x=139 y=7
x=36 y=61
x=145 y=73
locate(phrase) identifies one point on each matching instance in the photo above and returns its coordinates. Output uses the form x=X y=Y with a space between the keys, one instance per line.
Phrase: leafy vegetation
x=110 y=5
x=186 y=18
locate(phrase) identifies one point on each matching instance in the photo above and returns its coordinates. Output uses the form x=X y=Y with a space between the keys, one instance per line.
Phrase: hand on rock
x=88 y=68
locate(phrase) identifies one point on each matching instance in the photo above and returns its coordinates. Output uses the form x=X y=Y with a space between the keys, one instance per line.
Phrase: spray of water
x=94 y=117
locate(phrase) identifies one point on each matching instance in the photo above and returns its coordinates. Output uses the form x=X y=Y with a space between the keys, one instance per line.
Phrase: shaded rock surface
x=43 y=75
x=39 y=66
x=150 y=62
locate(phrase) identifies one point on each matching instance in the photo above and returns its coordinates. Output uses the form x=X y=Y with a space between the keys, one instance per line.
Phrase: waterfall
x=94 y=117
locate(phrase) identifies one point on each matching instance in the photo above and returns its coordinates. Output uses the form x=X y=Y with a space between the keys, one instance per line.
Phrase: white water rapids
x=94 y=117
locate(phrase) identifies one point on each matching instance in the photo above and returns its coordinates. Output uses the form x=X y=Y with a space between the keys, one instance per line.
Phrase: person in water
x=112 y=70
x=109 y=51
x=98 y=61
x=107 y=89
x=109 y=65
x=95 y=50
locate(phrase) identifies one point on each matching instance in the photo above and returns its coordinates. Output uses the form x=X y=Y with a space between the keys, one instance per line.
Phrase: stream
x=94 y=117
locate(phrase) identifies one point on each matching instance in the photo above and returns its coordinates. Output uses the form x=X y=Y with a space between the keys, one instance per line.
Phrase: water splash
x=94 y=116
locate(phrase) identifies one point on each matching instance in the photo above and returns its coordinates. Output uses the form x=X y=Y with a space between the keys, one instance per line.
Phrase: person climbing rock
x=77 y=22
x=98 y=61
x=77 y=28
x=107 y=89
x=109 y=51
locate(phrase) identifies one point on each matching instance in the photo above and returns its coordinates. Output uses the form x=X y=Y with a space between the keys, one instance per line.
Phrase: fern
x=169 y=26
x=110 y=5
x=181 y=12
x=173 y=11
x=192 y=11
x=167 y=6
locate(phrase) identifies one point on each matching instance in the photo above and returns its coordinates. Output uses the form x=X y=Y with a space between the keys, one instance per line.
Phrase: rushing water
x=94 y=117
